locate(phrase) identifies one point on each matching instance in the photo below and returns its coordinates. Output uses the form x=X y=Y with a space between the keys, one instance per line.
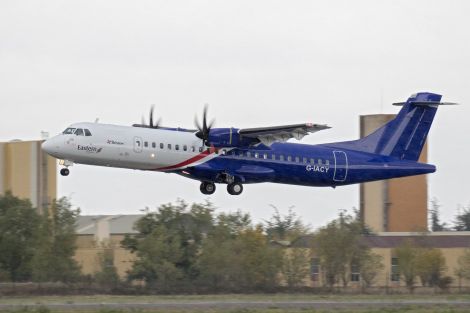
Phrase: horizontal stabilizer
x=428 y=103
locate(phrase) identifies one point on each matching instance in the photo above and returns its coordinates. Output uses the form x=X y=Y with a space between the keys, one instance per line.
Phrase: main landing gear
x=208 y=188
x=235 y=189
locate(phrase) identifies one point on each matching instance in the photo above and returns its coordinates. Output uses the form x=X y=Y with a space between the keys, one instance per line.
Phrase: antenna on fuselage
x=97 y=120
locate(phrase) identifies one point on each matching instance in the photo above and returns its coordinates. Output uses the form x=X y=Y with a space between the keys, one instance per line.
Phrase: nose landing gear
x=65 y=172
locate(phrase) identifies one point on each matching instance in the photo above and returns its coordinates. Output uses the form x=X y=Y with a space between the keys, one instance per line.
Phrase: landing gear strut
x=235 y=188
x=207 y=188
x=65 y=172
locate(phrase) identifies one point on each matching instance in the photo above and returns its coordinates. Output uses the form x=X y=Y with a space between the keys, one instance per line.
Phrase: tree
x=406 y=254
x=53 y=260
x=436 y=224
x=462 y=220
x=371 y=265
x=287 y=227
x=430 y=266
x=168 y=243
x=295 y=267
x=463 y=266
x=159 y=255
x=338 y=247
x=107 y=276
x=18 y=237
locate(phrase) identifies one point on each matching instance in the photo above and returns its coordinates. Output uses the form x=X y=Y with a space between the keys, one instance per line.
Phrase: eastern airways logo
x=89 y=149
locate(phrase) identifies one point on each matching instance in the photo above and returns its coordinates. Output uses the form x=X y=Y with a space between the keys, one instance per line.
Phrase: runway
x=242 y=304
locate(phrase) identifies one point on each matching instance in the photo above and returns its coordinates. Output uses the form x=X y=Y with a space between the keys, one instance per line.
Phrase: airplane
x=235 y=157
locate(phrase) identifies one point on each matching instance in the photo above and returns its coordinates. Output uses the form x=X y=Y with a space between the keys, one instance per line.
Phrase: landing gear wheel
x=207 y=188
x=65 y=172
x=235 y=188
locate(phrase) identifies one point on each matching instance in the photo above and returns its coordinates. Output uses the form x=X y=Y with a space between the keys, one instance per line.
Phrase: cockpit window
x=79 y=132
x=87 y=132
x=68 y=131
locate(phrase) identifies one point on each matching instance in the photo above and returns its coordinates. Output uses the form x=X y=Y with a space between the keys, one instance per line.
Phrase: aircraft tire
x=65 y=172
x=207 y=188
x=235 y=189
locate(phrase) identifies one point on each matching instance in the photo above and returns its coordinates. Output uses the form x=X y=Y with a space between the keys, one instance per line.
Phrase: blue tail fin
x=405 y=135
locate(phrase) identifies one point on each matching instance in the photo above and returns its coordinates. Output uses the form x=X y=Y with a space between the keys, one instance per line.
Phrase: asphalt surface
x=243 y=304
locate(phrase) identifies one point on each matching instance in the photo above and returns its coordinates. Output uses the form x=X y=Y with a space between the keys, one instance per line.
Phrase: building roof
x=118 y=224
x=452 y=239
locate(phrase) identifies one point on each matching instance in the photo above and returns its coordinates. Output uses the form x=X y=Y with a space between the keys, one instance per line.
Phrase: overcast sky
x=256 y=63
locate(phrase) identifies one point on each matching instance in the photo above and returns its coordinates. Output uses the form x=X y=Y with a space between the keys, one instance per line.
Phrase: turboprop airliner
x=235 y=157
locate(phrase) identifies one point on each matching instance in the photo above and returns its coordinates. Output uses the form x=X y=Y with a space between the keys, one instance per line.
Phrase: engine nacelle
x=228 y=137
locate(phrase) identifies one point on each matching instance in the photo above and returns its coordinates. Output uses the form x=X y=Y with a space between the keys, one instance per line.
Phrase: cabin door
x=138 y=144
x=341 y=166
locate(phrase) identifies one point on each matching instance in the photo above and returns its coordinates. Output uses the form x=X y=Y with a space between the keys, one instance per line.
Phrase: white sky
x=256 y=63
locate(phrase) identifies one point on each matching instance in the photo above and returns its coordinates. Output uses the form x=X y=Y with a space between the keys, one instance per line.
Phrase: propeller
x=151 y=124
x=204 y=130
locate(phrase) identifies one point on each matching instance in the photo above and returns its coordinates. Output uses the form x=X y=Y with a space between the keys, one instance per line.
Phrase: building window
x=395 y=270
x=315 y=269
x=355 y=273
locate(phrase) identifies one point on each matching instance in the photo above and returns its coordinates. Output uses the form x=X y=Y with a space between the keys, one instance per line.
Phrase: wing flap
x=269 y=135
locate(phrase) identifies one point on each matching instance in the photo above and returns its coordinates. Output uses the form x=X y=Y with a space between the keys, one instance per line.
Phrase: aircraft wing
x=269 y=135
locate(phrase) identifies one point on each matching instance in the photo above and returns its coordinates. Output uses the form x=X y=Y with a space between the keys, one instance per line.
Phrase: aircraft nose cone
x=48 y=146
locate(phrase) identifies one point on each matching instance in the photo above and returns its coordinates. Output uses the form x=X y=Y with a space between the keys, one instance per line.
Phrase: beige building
x=28 y=172
x=394 y=205
x=98 y=234
x=451 y=244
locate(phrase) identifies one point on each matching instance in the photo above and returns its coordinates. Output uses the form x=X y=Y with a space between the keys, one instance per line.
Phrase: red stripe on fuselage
x=188 y=161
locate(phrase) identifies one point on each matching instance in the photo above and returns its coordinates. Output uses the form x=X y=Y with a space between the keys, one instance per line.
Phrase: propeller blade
x=151 y=116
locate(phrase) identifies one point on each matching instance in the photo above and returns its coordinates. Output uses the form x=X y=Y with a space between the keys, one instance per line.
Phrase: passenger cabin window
x=79 y=132
x=154 y=145
x=265 y=156
x=177 y=147
x=256 y=155
x=281 y=158
x=161 y=145
x=304 y=160
x=289 y=158
x=297 y=159
x=185 y=148
x=224 y=152
x=273 y=156
x=320 y=162
x=69 y=131
x=200 y=149
x=312 y=161
x=193 y=149
x=169 y=146
x=248 y=154
x=146 y=144
x=327 y=163
x=87 y=132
